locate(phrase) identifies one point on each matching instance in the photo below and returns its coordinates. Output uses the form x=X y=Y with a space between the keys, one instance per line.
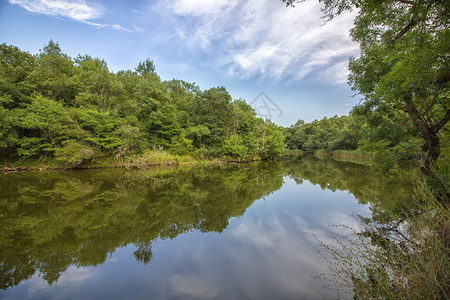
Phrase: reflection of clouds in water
x=36 y=284
x=282 y=240
x=348 y=220
x=335 y=223
x=271 y=252
x=73 y=276
x=193 y=285
x=287 y=256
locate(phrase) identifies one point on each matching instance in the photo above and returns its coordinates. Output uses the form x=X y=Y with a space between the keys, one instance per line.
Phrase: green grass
x=146 y=159
x=403 y=257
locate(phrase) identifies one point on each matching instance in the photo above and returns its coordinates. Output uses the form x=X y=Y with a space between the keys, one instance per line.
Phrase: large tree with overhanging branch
x=404 y=62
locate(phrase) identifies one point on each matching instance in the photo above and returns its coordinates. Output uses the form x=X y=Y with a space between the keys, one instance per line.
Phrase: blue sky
x=247 y=46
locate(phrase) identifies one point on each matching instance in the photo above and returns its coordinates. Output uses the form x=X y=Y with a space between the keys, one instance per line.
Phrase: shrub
x=73 y=154
x=407 y=257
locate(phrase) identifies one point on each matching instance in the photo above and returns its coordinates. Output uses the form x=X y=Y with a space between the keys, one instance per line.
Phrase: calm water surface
x=230 y=232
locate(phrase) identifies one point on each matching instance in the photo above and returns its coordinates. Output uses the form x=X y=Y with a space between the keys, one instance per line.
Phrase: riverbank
x=347 y=155
x=160 y=158
x=148 y=159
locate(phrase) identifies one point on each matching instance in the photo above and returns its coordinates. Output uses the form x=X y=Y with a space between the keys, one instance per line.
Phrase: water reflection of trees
x=356 y=178
x=50 y=221
x=53 y=220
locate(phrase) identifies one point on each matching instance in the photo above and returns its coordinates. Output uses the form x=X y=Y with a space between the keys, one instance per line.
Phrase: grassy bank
x=147 y=159
x=346 y=155
x=352 y=154
x=400 y=256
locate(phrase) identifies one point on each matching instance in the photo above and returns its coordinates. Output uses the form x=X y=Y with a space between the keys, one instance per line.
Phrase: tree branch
x=291 y=2
x=416 y=118
x=407 y=28
x=443 y=78
x=442 y=122
x=406 y=2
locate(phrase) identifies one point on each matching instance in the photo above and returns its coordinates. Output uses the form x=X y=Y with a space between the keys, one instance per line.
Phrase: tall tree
x=146 y=67
x=404 y=62
x=53 y=72
x=15 y=69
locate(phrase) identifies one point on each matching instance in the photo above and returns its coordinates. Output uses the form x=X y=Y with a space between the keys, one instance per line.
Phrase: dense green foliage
x=330 y=134
x=74 y=110
x=403 y=71
x=387 y=137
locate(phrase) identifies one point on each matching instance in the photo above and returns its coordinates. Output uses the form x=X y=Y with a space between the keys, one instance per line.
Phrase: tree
x=15 y=69
x=53 y=72
x=213 y=109
x=404 y=62
x=271 y=140
x=43 y=126
x=329 y=134
x=94 y=82
x=146 y=67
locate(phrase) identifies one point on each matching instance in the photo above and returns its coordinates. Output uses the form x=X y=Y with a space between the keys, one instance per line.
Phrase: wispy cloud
x=194 y=285
x=78 y=10
x=100 y=25
x=264 y=38
x=199 y=7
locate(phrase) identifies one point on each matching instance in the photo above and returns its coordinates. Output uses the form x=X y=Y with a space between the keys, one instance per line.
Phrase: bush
x=181 y=145
x=201 y=153
x=132 y=140
x=234 y=146
x=73 y=154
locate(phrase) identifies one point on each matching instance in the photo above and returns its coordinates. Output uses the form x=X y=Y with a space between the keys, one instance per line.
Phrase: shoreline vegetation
x=146 y=160
x=152 y=158
x=351 y=154
x=65 y=112
x=60 y=112
x=401 y=253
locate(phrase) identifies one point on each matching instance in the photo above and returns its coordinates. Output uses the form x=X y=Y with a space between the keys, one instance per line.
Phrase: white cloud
x=195 y=286
x=138 y=29
x=200 y=7
x=100 y=25
x=264 y=38
x=78 y=10
x=73 y=276
x=74 y=9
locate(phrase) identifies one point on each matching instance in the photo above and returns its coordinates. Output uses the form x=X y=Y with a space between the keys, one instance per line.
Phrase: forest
x=74 y=111
x=387 y=138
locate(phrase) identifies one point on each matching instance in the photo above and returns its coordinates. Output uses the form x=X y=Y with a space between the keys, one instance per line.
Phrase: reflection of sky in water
x=269 y=253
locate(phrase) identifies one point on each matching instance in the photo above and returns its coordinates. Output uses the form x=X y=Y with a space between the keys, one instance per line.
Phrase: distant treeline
x=388 y=136
x=56 y=107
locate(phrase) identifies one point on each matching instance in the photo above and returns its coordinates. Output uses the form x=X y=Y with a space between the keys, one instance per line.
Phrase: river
x=247 y=231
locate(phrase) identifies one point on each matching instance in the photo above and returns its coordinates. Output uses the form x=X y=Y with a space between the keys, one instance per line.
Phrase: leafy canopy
x=404 y=62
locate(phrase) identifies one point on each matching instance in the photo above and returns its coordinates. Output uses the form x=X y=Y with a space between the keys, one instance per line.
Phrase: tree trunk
x=429 y=154
x=431 y=150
